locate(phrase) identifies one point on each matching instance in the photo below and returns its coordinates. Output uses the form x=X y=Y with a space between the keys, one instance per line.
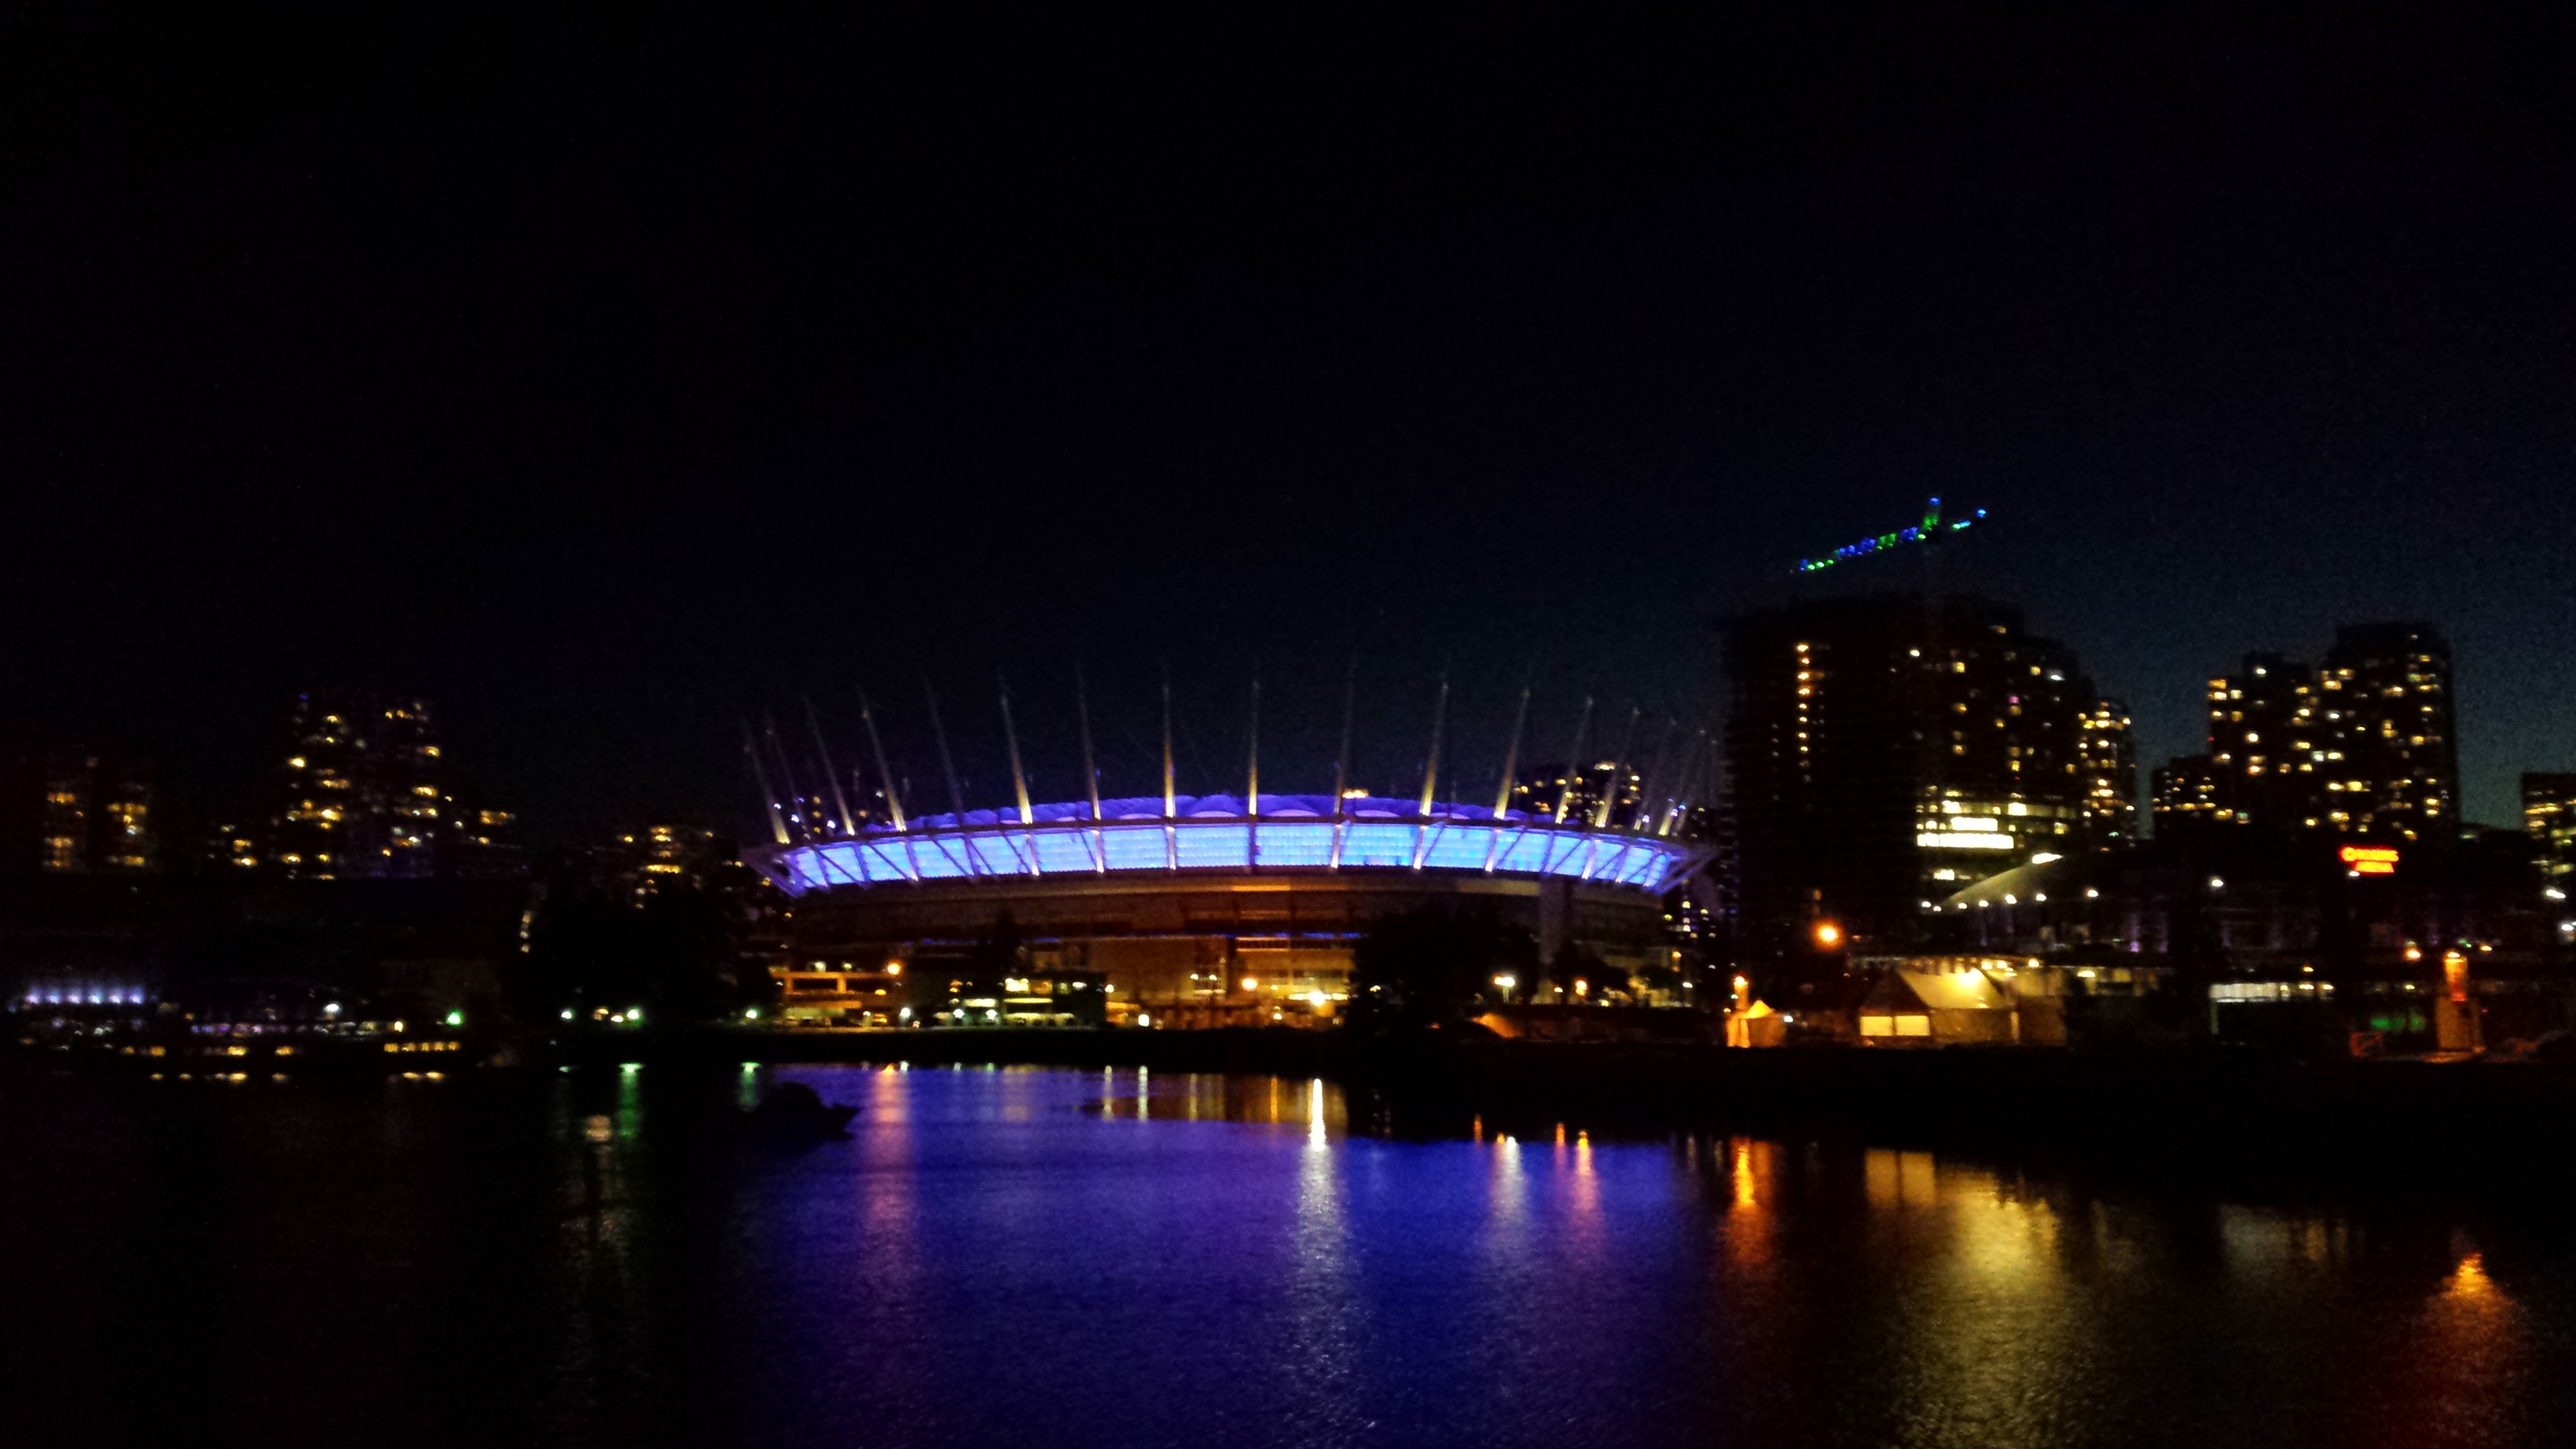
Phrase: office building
x=1884 y=751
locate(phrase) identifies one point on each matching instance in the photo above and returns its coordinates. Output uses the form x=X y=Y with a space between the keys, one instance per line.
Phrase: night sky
x=603 y=377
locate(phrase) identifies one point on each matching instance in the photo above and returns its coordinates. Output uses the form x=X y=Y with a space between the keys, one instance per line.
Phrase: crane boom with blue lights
x=1932 y=527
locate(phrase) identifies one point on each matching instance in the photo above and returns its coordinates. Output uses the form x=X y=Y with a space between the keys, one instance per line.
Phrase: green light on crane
x=1933 y=526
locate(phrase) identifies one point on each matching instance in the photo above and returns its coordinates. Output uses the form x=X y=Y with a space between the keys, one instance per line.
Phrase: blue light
x=1377 y=845
x=1453 y=848
x=1062 y=852
x=1134 y=847
x=1211 y=833
x=1205 y=846
x=1524 y=855
x=996 y=857
x=939 y=858
x=1296 y=844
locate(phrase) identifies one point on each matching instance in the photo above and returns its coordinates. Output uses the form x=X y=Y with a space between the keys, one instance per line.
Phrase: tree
x=999 y=954
x=681 y=954
x=1429 y=966
x=1574 y=964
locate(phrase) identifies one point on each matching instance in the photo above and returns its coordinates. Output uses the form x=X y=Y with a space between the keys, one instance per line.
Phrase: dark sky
x=603 y=376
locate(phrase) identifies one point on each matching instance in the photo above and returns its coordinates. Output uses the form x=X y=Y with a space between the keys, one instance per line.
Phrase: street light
x=1828 y=935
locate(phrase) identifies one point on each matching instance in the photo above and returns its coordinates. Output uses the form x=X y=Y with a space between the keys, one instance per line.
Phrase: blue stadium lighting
x=1211 y=832
x=1933 y=526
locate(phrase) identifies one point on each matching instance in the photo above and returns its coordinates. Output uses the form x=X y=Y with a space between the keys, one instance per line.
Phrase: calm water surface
x=1049 y=1257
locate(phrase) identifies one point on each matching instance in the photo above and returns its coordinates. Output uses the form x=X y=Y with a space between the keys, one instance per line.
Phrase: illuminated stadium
x=1192 y=909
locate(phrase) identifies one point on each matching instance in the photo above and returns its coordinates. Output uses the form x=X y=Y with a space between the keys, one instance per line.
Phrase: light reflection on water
x=1125 y=1257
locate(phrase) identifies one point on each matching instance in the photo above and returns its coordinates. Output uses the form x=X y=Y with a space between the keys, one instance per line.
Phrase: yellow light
x=1251 y=983
x=894 y=968
x=2369 y=859
x=1828 y=935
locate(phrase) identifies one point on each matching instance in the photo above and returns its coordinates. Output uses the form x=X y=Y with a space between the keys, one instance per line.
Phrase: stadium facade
x=1181 y=909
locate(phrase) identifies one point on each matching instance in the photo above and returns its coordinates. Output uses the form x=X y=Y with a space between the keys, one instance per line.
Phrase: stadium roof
x=1212 y=832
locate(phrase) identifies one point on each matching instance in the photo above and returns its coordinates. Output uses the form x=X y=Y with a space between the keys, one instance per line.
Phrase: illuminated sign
x=1933 y=526
x=2370 y=859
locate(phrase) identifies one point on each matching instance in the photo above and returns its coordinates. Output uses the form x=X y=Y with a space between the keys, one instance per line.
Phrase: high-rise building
x=2549 y=818
x=69 y=784
x=637 y=866
x=2363 y=746
x=2191 y=790
x=95 y=813
x=1541 y=788
x=662 y=855
x=2267 y=742
x=2389 y=715
x=477 y=842
x=2110 y=756
x=1885 y=751
x=231 y=848
x=361 y=791
x=126 y=835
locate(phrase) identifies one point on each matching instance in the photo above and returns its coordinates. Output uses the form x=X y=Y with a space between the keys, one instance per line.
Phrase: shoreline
x=2466 y=1120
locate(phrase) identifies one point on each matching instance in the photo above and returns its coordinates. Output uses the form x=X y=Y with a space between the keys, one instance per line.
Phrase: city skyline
x=1210 y=718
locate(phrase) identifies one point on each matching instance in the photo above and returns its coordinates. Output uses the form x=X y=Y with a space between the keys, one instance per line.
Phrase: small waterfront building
x=1938 y=1005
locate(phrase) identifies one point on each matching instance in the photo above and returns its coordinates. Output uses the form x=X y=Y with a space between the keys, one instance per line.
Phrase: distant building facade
x=78 y=811
x=2364 y=746
x=361 y=789
x=2549 y=818
x=2110 y=757
x=639 y=865
x=2388 y=699
x=2268 y=742
x=2188 y=791
x=479 y=842
x=1543 y=789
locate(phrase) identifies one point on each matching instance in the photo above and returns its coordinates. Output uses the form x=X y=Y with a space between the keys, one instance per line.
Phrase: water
x=1069 y=1258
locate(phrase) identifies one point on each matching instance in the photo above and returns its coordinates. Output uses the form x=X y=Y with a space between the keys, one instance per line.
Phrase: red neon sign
x=2370 y=859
